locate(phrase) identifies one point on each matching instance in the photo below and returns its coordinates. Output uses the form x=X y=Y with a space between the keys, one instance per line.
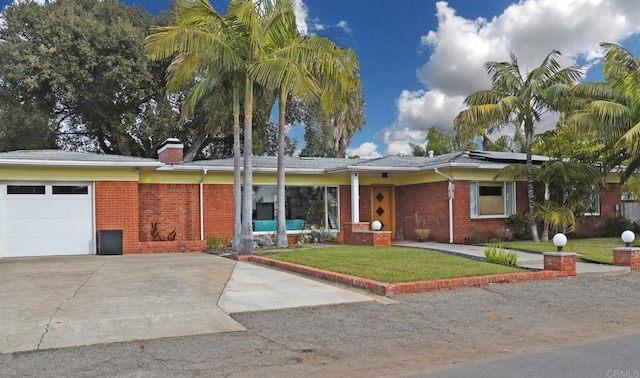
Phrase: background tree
x=81 y=65
x=442 y=143
x=514 y=98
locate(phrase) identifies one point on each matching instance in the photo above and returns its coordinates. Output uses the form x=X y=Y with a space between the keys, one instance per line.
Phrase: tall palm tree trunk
x=528 y=130
x=237 y=190
x=246 y=246
x=282 y=224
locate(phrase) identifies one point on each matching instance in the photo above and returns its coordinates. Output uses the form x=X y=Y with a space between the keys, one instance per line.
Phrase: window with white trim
x=594 y=205
x=492 y=199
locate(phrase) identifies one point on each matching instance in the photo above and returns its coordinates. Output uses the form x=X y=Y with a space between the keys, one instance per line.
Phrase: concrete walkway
x=254 y=287
x=525 y=259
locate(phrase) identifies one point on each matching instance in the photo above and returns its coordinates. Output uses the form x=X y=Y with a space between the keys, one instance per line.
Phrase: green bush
x=215 y=241
x=315 y=235
x=520 y=226
x=614 y=226
x=495 y=253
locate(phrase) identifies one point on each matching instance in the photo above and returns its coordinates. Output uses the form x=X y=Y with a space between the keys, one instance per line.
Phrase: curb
x=383 y=288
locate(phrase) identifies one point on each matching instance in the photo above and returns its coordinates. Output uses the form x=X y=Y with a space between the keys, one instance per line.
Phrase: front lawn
x=390 y=264
x=594 y=249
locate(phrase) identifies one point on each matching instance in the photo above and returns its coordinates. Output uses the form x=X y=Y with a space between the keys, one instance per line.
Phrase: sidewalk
x=525 y=259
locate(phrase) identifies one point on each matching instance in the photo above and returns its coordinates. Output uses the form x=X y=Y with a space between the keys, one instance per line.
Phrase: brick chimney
x=171 y=151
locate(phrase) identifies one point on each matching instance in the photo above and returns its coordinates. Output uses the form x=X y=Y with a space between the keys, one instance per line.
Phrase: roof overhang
x=75 y=164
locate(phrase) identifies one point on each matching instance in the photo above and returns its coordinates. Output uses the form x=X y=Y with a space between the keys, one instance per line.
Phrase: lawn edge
x=384 y=288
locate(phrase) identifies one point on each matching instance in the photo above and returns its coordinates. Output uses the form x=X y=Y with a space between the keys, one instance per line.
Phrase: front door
x=382 y=199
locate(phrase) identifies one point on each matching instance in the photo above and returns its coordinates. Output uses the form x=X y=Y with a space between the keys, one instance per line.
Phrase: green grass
x=390 y=264
x=594 y=249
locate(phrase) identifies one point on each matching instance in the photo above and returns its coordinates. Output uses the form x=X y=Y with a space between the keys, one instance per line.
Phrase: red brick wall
x=592 y=225
x=427 y=200
x=431 y=201
x=171 y=207
x=117 y=209
x=218 y=210
x=365 y=203
x=345 y=203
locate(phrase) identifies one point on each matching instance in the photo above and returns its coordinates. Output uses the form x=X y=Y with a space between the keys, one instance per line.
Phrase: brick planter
x=627 y=256
x=560 y=261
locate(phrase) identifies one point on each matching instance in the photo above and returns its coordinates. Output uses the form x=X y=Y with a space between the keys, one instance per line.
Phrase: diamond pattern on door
x=382 y=208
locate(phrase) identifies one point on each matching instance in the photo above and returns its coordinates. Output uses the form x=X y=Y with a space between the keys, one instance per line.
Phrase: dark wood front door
x=382 y=209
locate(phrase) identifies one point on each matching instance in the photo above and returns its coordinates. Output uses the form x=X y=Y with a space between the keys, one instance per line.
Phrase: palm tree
x=205 y=50
x=295 y=65
x=235 y=44
x=612 y=107
x=523 y=100
x=564 y=174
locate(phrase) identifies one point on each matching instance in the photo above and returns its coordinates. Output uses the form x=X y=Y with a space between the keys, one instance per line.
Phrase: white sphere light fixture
x=376 y=225
x=559 y=240
x=628 y=237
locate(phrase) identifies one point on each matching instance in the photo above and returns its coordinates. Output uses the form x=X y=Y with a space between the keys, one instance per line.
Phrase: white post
x=204 y=173
x=451 y=190
x=355 y=198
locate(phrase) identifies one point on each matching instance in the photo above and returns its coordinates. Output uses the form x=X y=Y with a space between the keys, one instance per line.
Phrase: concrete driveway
x=54 y=302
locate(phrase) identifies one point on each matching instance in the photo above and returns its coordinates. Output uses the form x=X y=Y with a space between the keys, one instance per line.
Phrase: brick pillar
x=348 y=228
x=561 y=261
x=627 y=256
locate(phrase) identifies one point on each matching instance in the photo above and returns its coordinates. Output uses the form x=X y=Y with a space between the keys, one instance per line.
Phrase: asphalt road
x=615 y=358
x=418 y=334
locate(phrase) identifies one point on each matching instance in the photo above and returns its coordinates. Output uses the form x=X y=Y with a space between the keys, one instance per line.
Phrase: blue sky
x=420 y=58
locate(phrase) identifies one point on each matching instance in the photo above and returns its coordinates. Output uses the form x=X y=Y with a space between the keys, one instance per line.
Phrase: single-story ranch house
x=67 y=203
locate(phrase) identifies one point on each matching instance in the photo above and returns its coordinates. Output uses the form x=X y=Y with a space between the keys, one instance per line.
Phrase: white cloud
x=531 y=29
x=417 y=112
x=365 y=150
x=342 y=24
x=301 y=12
x=316 y=25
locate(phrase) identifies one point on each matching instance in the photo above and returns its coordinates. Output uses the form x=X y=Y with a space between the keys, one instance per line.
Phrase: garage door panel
x=20 y=247
x=45 y=208
x=22 y=228
x=46 y=224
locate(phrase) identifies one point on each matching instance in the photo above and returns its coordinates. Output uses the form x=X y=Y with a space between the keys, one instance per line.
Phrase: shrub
x=495 y=253
x=215 y=241
x=520 y=226
x=614 y=226
x=266 y=241
x=317 y=236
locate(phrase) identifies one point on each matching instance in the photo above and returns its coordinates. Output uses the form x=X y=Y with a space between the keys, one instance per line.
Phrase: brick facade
x=171 y=207
x=592 y=225
x=116 y=205
x=133 y=207
x=430 y=200
x=218 y=211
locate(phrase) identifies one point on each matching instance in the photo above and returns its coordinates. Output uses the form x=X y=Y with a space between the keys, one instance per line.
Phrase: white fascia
x=71 y=163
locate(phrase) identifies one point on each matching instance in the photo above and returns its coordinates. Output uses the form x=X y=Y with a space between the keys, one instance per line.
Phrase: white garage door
x=45 y=219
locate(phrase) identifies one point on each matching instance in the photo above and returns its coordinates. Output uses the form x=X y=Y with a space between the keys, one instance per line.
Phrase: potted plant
x=421 y=231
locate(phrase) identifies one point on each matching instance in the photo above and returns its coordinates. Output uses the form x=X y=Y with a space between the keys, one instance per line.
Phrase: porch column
x=355 y=198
